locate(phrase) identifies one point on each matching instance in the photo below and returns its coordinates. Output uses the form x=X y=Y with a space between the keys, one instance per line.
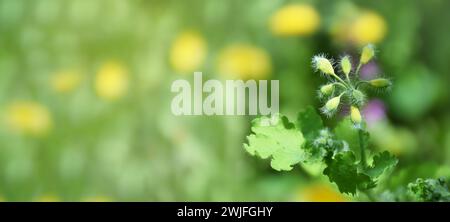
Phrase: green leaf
x=429 y=190
x=309 y=122
x=276 y=138
x=317 y=138
x=342 y=169
x=381 y=162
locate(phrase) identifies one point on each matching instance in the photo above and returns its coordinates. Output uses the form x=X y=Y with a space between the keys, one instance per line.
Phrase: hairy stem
x=339 y=79
x=360 y=82
x=341 y=85
x=361 y=147
x=368 y=193
x=357 y=70
x=348 y=80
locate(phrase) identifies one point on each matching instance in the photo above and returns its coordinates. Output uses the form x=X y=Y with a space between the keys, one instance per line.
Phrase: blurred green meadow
x=85 y=94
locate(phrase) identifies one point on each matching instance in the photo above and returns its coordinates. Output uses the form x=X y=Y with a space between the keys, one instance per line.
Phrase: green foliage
x=342 y=169
x=310 y=142
x=317 y=140
x=414 y=94
x=429 y=190
x=381 y=162
x=342 y=151
x=345 y=131
x=277 y=138
x=309 y=122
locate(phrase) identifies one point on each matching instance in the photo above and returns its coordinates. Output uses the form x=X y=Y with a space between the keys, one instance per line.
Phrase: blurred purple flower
x=374 y=111
x=369 y=71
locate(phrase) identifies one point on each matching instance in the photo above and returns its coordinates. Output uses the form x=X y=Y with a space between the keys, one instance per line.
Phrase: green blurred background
x=85 y=94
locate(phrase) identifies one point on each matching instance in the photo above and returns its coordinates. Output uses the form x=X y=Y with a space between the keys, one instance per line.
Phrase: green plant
x=429 y=190
x=308 y=141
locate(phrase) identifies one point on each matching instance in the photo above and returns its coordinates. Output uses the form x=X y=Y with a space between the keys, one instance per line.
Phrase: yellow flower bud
x=332 y=104
x=323 y=64
x=380 y=83
x=327 y=89
x=346 y=65
x=367 y=53
x=355 y=115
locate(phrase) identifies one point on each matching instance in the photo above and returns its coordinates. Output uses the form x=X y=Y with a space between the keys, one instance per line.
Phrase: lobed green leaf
x=381 y=162
x=278 y=139
x=342 y=169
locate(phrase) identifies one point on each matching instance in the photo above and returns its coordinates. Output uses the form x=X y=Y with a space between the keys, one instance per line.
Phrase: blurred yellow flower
x=295 y=20
x=29 y=117
x=47 y=198
x=359 y=27
x=369 y=27
x=111 y=82
x=97 y=199
x=188 y=52
x=319 y=192
x=66 y=81
x=242 y=61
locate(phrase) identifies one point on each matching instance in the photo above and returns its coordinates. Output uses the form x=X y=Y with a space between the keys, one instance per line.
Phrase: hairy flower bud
x=331 y=105
x=380 y=83
x=323 y=64
x=327 y=89
x=346 y=65
x=358 y=97
x=367 y=54
x=355 y=115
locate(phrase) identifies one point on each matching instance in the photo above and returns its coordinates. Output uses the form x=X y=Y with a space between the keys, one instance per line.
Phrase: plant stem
x=339 y=79
x=368 y=193
x=361 y=147
x=348 y=80
x=357 y=70
x=341 y=85
x=361 y=82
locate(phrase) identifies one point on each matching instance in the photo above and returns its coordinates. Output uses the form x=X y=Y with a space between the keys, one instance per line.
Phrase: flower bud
x=332 y=104
x=327 y=89
x=346 y=65
x=358 y=97
x=367 y=53
x=323 y=64
x=355 y=115
x=380 y=83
